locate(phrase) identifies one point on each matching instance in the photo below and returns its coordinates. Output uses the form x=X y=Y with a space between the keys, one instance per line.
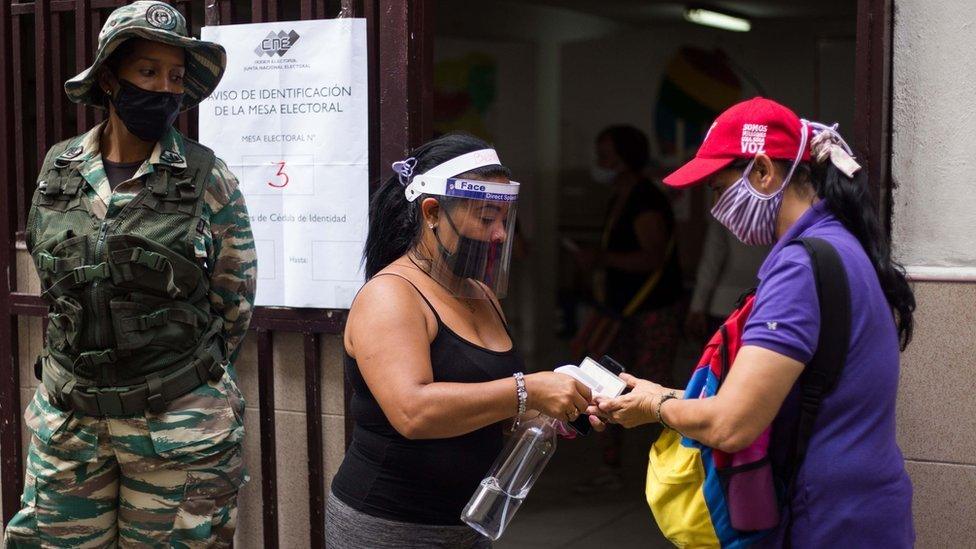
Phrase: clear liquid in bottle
x=501 y=493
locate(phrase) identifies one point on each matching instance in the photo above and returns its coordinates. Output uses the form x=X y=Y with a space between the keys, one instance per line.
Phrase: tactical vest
x=130 y=326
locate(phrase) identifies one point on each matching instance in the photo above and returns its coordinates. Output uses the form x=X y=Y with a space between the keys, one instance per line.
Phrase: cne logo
x=277 y=43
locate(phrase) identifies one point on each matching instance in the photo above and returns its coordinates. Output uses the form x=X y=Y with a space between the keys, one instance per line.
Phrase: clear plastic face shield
x=475 y=226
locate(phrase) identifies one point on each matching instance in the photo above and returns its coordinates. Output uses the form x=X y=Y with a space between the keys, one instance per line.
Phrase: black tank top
x=421 y=481
x=622 y=286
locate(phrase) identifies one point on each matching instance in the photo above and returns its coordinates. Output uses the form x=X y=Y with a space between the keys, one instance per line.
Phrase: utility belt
x=154 y=394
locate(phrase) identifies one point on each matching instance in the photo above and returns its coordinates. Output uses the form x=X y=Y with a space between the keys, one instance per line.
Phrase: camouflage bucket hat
x=157 y=22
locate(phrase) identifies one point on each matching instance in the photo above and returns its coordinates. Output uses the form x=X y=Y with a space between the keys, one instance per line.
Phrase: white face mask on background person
x=603 y=176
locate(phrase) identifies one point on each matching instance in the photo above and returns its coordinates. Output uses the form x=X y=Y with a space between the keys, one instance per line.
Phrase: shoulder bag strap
x=651 y=282
x=821 y=374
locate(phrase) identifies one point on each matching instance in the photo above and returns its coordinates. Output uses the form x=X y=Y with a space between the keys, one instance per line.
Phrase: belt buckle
x=109 y=402
x=61 y=398
x=216 y=371
x=155 y=402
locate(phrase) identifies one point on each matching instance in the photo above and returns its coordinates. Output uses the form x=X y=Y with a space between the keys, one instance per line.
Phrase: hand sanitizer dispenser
x=523 y=459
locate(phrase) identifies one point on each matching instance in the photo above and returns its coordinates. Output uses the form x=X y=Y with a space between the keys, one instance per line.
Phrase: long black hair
x=850 y=200
x=394 y=223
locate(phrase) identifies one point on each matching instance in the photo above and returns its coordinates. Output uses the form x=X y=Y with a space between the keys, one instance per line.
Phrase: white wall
x=934 y=212
x=934 y=120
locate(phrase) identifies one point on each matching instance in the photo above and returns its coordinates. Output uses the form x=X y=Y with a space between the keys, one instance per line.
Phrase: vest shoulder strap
x=182 y=190
x=200 y=161
x=55 y=181
x=201 y=156
x=54 y=152
x=57 y=155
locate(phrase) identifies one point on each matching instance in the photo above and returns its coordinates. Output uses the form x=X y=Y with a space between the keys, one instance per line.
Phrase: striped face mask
x=749 y=214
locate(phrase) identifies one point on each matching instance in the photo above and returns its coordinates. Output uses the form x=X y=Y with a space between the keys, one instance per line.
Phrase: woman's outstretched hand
x=557 y=395
x=631 y=409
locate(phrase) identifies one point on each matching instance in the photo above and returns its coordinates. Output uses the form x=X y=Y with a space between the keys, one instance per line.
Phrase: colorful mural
x=464 y=94
x=697 y=85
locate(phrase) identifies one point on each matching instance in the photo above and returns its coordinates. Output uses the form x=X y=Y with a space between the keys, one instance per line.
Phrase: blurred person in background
x=637 y=278
x=726 y=270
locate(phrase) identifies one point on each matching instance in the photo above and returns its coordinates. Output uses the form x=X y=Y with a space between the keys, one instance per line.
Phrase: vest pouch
x=141 y=320
x=60 y=192
x=60 y=203
x=49 y=244
x=140 y=264
x=65 y=323
x=173 y=193
x=58 y=255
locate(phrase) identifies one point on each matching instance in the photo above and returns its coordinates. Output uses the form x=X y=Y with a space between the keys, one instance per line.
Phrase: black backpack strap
x=820 y=376
x=743 y=297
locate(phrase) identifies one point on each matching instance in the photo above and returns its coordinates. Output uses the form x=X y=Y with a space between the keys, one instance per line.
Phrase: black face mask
x=147 y=114
x=470 y=256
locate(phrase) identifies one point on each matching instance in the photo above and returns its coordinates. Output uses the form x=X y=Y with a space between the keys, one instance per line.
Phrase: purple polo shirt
x=852 y=490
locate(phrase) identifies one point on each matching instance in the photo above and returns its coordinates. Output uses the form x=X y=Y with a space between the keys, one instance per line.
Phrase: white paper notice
x=290 y=120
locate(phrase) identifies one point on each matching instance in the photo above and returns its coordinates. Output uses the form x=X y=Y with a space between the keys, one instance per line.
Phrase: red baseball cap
x=758 y=125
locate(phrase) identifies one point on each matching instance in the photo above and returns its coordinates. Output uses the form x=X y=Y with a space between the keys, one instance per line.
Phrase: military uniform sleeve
x=232 y=257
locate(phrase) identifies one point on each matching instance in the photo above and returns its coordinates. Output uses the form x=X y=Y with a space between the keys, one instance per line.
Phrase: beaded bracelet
x=664 y=398
x=523 y=397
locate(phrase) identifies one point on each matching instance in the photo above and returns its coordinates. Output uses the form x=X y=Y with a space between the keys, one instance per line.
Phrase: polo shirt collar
x=813 y=216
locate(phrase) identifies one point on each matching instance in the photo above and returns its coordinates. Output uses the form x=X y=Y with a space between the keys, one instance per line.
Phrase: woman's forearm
x=444 y=410
x=747 y=404
x=704 y=421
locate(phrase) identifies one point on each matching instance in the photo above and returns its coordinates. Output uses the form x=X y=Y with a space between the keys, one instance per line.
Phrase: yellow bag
x=675 y=482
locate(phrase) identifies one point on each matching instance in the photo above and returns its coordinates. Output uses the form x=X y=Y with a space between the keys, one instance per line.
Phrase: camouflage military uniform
x=158 y=478
x=171 y=477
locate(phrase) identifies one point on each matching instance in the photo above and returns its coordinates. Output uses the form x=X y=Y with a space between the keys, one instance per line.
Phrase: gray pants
x=347 y=528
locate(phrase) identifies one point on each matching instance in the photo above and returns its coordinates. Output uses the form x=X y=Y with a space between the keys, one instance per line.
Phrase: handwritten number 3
x=281 y=173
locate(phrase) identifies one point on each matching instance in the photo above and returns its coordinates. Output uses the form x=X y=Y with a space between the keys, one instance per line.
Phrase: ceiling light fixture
x=717 y=19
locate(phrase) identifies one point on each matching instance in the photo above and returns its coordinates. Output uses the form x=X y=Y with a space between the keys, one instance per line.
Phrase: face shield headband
x=474 y=253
